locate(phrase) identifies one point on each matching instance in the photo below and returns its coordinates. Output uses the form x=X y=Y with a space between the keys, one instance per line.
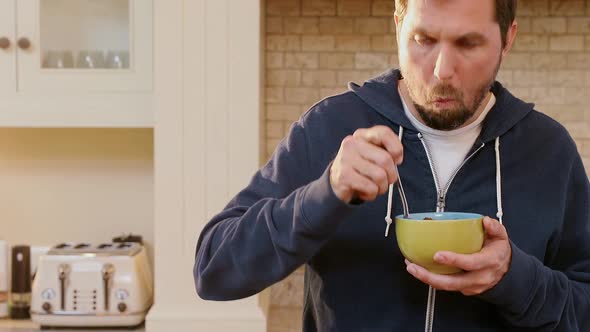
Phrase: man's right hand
x=364 y=166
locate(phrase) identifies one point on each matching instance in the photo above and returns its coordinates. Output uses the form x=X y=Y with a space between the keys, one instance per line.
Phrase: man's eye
x=467 y=44
x=423 y=40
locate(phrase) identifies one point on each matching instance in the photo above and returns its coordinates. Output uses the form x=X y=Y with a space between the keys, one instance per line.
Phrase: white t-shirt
x=449 y=149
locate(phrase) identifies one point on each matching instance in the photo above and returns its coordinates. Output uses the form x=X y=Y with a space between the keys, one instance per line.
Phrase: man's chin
x=438 y=110
x=444 y=118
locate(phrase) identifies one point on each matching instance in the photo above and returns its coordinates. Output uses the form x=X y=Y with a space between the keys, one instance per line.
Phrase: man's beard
x=452 y=118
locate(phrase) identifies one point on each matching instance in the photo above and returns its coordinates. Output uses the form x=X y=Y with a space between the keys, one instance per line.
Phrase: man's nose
x=445 y=64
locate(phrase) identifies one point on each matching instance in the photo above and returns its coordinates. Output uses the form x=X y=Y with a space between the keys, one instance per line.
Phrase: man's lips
x=444 y=100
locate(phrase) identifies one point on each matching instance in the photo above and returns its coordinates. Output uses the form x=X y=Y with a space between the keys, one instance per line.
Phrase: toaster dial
x=48 y=294
x=47 y=307
x=122 y=307
x=121 y=294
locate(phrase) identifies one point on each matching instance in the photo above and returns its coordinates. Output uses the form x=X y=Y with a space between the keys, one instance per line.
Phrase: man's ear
x=510 y=37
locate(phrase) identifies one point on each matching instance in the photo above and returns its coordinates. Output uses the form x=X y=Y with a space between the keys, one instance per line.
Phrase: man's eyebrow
x=468 y=36
x=420 y=31
x=472 y=35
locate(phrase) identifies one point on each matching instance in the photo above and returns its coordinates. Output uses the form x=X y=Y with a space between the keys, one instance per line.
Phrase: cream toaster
x=80 y=285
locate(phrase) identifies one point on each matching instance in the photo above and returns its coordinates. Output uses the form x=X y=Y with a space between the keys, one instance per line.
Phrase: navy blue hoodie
x=355 y=278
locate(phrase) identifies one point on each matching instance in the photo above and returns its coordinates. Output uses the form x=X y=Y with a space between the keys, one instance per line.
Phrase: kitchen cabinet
x=76 y=63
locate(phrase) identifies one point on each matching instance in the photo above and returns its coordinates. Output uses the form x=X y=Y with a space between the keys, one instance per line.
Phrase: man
x=461 y=142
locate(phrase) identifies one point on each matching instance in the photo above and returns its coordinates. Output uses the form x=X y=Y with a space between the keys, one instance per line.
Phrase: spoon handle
x=402 y=194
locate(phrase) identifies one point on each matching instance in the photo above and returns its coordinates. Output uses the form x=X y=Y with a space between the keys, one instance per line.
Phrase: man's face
x=449 y=53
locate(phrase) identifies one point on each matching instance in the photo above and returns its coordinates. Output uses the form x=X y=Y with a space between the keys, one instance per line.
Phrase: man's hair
x=505 y=14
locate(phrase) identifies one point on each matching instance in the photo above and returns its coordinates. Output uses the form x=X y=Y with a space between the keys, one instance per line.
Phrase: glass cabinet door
x=84 y=45
x=7 y=54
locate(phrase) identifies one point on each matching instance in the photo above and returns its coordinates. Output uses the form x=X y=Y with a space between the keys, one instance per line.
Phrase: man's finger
x=366 y=189
x=383 y=136
x=373 y=172
x=467 y=262
x=450 y=282
x=378 y=156
x=494 y=229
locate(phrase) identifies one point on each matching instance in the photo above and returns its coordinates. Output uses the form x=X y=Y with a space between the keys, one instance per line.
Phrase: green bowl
x=420 y=239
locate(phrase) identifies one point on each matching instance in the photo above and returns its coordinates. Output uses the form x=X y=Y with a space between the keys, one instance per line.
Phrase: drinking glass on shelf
x=117 y=59
x=90 y=59
x=58 y=59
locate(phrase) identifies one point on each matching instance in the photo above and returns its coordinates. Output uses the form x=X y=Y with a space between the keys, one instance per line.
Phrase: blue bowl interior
x=441 y=216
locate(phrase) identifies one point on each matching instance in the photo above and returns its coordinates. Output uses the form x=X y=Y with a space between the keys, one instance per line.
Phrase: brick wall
x=314 y=47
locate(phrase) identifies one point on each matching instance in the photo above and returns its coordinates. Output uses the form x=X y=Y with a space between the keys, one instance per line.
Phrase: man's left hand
x=482 y=270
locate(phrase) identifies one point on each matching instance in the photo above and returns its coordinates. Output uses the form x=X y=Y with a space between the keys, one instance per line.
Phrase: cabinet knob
x=24 y=43
x=4 y=43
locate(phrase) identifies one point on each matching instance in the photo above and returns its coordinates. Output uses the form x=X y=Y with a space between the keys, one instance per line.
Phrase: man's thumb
x=493 y=227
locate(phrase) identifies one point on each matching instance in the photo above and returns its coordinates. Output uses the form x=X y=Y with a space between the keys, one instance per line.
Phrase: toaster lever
x=107 y=273
x=63 y=271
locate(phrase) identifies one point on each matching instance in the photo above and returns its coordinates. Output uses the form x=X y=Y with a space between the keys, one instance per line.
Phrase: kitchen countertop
x=8 y=325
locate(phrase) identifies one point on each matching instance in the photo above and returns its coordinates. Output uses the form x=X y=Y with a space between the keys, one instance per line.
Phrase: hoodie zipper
x=440 y=207
x=440 y=202
x=442 y=192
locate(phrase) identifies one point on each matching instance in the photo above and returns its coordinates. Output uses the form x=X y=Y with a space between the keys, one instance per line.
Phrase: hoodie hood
x=381 y=94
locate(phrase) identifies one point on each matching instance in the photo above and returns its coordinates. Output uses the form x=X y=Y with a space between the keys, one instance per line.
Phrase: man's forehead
x=460 y=16
x=480 y=9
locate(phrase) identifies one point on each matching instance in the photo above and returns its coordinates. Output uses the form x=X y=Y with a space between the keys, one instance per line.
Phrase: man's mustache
x=444 y=91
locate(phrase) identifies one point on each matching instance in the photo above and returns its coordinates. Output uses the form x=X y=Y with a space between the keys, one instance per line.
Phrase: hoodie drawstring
x=388 y=218
x=500 y=212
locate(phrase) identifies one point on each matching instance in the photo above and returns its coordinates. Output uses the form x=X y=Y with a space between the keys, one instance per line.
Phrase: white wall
x=61 y=185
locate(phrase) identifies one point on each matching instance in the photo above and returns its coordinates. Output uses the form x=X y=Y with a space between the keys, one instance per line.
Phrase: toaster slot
x=82 y=246
x=63 y=272
x=107 y=273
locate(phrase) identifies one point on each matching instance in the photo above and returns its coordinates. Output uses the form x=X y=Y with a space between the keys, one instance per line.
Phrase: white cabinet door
x=84 y=46
x=7 y=47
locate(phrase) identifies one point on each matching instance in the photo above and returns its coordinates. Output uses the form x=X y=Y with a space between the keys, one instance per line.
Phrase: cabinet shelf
x=129 y=110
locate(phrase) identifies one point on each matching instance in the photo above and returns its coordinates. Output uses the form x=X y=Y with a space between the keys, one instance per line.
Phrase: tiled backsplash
x=314 y=47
